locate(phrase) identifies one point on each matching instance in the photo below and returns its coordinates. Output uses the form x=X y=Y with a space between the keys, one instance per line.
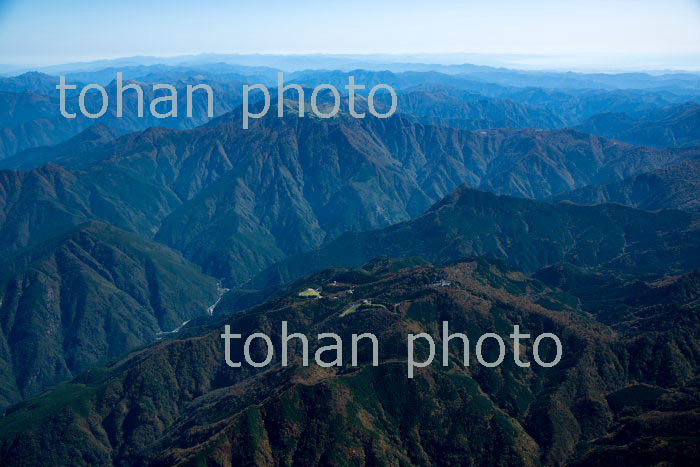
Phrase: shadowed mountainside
x=674 y=187
x=177 y=402
x=674 y=126
x=76 y=301
x=527 y=234
x=234 y=201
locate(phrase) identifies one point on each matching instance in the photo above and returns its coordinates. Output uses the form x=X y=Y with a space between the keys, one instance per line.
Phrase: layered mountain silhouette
x=472 y=103
x=449 y=106
x=677 y=187
x=31 y=81
x=235 y=201
x=527 y=234
x=562 y=203
x=674 y=126
x=569 y=99
x=30 y=119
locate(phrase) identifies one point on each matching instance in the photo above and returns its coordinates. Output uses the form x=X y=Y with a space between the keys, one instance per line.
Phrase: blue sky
x=42 y=32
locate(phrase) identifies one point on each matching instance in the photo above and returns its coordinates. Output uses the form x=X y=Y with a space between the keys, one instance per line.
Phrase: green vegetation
x=368 y=305
x=310 y=293
x=454 y=414
x=113 y=291
x=110 y=243
x=526 y=234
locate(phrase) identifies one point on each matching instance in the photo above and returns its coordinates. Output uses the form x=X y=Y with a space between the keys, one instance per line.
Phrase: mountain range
x=31 y=119
x=235 y=202
x=86 y=297
x=673 y=126
x=529 y=235
x=30 y=111
x=673 y=187
x=178 y=403
x=561 y=203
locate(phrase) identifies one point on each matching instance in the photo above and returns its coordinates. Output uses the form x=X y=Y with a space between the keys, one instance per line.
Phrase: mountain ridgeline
x=76 y=301
x=32 y=118
x=672 y=126
x=529 y=235
x=177 y=402
x=673 y=187
x=562 y=203
x=236 y=201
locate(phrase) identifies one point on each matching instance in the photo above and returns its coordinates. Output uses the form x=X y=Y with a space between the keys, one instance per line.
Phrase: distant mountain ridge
x=447 y=106
x=29 y=120
x=234 y=201
x=673 y=187
x=674 y=126
x=528 y=235
x=554 y=103
x=123 y=253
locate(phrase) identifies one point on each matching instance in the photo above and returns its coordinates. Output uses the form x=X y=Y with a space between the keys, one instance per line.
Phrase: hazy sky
x=41 y=32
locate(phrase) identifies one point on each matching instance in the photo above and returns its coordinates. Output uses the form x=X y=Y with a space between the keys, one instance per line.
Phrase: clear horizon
x=544 y=34
x=580 y=64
